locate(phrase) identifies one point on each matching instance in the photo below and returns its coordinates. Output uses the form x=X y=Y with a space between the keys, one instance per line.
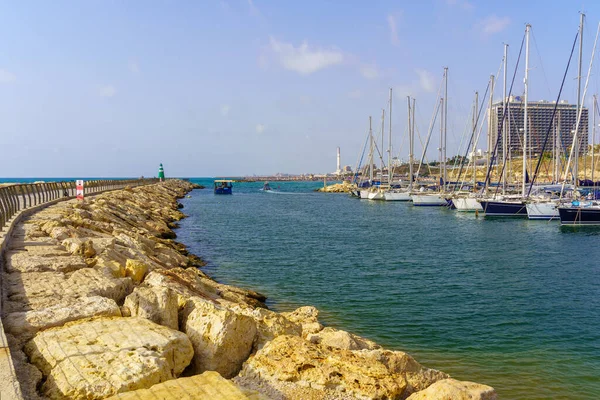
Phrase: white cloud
x=303 y=59
x=369 y=71
x=260 y=128
x=6 y=76
x=224 y=110
x=426 y=80
x=492 y=24
x=107 y=91
x=393 y=30
x=134 y=67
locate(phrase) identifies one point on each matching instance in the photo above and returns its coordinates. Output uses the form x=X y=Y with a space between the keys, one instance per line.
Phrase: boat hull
x=397 y=196
x=545 y=211
x=378 y=195
x=503 y=208
x=467 y=204
x=434 y=200
x=579 y=215
x=223 y=191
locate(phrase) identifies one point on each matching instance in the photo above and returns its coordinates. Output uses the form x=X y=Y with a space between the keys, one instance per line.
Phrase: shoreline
x=123 y=242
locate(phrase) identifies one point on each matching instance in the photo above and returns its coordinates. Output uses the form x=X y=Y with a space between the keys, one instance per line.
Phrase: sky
x=243 y=87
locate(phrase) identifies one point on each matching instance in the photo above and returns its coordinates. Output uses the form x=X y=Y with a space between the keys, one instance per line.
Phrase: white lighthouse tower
x=338 y=171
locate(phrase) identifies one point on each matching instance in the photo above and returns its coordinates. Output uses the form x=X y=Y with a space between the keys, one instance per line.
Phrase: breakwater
x=100 y=301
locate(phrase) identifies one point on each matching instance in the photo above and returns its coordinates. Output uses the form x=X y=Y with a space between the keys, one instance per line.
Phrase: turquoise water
x=510 y=303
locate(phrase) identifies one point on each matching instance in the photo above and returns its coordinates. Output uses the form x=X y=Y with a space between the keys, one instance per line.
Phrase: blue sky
x=241 y=87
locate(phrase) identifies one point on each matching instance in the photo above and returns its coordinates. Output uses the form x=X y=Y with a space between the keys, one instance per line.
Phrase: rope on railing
x=15 y=198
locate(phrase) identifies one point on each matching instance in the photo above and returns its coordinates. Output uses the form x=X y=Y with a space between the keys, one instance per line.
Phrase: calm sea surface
x=510 y=303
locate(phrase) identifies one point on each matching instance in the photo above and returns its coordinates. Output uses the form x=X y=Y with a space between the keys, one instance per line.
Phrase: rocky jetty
x=101 y=302
x=344 y=187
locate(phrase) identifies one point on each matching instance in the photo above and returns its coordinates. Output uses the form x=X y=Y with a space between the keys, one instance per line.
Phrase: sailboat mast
x=442 y=182
x=525 y=124
x=410 y=147
x=575 y=135
x=594 y=107
x=390 y=171
x=381 y=153
x=370 y=152
x=475 y=108
x=504 y=125
x=445 y=124
x=490 y=127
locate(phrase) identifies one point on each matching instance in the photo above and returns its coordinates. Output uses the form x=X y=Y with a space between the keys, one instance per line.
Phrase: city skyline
x=256 y=87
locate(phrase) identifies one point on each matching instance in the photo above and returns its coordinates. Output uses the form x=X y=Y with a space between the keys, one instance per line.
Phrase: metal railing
x=18 y=197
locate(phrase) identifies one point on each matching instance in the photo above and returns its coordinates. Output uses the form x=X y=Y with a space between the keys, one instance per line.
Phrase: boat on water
x=466 y=202
x=508 y=206
x=266 y=187
x=428 y=199
x=223 y=186
x=580 y=213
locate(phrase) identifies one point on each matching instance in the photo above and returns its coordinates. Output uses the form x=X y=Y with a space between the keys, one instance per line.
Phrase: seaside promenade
x=99 y=301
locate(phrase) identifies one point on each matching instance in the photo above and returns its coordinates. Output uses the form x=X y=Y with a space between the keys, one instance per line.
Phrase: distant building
x=540 y=117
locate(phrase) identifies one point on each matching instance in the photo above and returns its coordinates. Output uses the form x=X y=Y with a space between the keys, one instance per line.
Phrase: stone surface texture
x=99 y=301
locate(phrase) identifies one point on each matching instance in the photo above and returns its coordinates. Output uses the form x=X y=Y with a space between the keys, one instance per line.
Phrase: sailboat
x=549 y=208
x=581 y=212
x=465 y=199
x=423 y=198
x=513 y=205
x=401 y=194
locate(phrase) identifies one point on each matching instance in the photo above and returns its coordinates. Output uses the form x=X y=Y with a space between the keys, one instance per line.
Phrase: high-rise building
x=539 y=114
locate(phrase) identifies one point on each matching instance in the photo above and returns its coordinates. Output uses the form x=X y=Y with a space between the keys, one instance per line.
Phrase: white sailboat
x=401 y=194
x=422 y=198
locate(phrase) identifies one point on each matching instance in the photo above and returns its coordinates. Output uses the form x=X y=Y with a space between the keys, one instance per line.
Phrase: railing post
x=3 y=207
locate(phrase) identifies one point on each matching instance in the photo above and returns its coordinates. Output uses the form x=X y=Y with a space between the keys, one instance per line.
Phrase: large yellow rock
x=307 y=316
x=289 y=361
x=291 y=364
x=26 y=324
x=221 y=338
x=158 y=304
x=451 y=389
x=341 y=340
x=136 y=270
x=96 y=358
x=210 y=385
x=269 y=324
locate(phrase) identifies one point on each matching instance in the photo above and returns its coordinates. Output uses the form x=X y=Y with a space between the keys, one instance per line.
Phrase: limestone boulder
x=191 y=282
x=136 y=270
x=80 y=247
x=269 y=324
x=292 y=360
x=24 y=262
x=39 y=290
x=100 y=357
x=451 y=389
x=401 y=363
x=60 y=233
x=158 y=304
x=307 y=317
x=341 y=340
x=221 y=338
x=26 y=324
x=209 y=385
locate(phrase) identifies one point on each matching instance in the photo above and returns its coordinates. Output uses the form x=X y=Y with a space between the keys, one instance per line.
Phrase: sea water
x=510 y=303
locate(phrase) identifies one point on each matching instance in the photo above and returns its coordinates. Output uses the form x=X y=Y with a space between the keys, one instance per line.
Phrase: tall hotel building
x=540 y=117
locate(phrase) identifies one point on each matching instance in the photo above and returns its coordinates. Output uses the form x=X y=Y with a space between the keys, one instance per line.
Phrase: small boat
x=223 y=186
x=266 y=187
